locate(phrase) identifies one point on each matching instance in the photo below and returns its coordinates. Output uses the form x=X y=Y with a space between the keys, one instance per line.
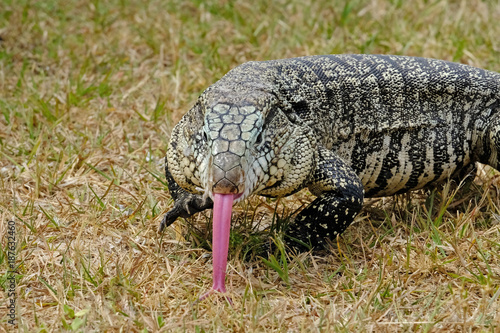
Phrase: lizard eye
x=259 y=139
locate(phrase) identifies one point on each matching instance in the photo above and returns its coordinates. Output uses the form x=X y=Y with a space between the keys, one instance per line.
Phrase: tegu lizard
x=344 y=126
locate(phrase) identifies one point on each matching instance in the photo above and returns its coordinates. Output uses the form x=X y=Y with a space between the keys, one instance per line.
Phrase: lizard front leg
x=185 y=205
x=339 y=199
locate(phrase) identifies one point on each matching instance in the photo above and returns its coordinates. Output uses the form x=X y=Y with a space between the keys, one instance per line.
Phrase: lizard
x=344 y=126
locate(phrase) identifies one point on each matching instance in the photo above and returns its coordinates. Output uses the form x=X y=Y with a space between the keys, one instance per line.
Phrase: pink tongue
x=223 y=205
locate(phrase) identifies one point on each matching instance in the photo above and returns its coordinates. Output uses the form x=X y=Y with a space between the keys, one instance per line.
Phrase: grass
x=89 y=93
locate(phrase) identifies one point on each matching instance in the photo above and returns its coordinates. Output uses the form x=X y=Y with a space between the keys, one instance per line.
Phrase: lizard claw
x=185 y=206
x=167 y=220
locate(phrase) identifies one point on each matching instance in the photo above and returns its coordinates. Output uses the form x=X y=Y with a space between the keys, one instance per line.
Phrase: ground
x=89 y=93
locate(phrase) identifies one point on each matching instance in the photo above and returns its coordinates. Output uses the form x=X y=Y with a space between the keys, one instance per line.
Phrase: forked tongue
x=223 y=205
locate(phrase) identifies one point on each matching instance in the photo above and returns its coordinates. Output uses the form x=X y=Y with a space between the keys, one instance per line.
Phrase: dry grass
x=89 y=92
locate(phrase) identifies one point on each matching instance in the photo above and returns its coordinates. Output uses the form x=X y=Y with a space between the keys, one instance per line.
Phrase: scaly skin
x=340 y=125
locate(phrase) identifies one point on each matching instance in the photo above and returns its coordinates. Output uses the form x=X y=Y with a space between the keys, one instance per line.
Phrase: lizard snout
x=228 y=175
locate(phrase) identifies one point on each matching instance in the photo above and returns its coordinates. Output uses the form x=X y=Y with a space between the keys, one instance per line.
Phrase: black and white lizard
x=344 y=126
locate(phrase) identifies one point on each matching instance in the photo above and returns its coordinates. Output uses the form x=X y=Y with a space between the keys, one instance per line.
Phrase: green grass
x=89 y=93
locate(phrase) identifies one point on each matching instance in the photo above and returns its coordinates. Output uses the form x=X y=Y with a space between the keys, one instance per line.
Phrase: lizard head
x=239 y=143
x=229 y=143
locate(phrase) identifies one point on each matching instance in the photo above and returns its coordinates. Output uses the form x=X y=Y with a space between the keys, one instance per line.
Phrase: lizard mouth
x=237 y=196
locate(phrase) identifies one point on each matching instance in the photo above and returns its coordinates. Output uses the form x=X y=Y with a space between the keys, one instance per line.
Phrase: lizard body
x=345 y=126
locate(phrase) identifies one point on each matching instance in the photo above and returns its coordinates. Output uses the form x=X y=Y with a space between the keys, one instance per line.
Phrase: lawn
x=89 y=93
